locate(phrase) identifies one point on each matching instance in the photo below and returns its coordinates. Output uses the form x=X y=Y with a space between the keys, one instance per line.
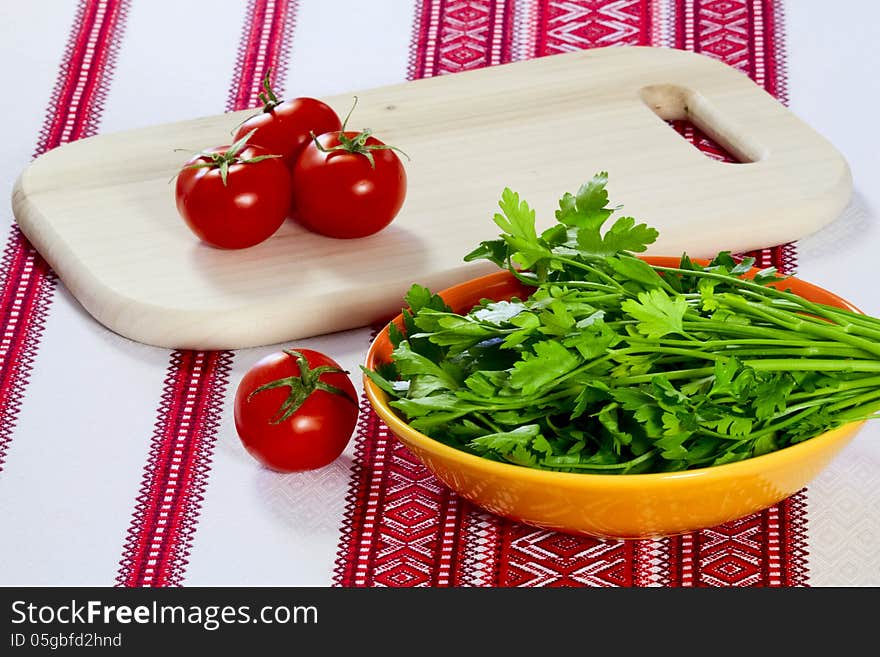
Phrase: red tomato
x=244 y=209
x=339 y=192
x=285 y=128
x=295 y=410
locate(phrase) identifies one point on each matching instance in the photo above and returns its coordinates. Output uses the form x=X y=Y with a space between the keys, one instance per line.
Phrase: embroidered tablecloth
x=119 y=462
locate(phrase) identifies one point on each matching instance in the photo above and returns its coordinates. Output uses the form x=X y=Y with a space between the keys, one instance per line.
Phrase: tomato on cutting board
x=286 y=127
x=295 y=410
x=233 y=197
x=348 y=184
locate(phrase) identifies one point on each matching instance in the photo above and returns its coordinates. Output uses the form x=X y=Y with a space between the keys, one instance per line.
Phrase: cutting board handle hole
x=702 y=125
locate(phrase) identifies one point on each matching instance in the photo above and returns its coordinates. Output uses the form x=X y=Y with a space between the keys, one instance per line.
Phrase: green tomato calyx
x=302 y=386
x=357 y=144
x=222 y=160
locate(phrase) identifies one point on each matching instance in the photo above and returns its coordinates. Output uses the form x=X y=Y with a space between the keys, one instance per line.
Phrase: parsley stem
x=818 y=365
x=778 y=351
x=847 y=320
x=849 y=327
x=735 y=342
x=834 y=408
x=658 y=349
x=703 y=431
x=589 y=285
x=799 y=407
x=763 y=365
x=672 y=375
x=772 y=346
x=794 y=419
x=729 y=328
x=819 y=395
x=798 y=352
x=626 y=465
x=860 y=399
x=863 y=412
x=870 y=323
x=852 y=384
x=590 y=364
x=513 y=403
x=784 y=318
x=598 y=272
x=597 y=298
x=764 y=290
x=485 y=420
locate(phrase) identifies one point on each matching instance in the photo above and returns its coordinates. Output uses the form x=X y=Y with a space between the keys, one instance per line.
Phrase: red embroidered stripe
x=176 y=474
x=27 y=296
x=28 y=283
x=357 y=551
x=460 y=35
x=479 y=549
x=166 y=511
x=402 y=527
x=566 y=25
x=533 y=557
x=407 y=523
x=264 y=43
x=767 y=549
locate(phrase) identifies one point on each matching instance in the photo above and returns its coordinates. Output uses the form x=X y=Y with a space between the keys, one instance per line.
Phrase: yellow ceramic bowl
x=611 y=506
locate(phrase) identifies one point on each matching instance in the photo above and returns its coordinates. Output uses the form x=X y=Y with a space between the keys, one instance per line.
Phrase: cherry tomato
x=234 y=196
x=285 y=128
x=295 y=410
x=348 y=184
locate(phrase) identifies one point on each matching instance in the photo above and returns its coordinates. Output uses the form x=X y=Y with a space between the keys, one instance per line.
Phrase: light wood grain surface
x=102 y=213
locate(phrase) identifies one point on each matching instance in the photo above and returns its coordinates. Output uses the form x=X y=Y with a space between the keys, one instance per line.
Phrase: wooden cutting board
x=102 y=212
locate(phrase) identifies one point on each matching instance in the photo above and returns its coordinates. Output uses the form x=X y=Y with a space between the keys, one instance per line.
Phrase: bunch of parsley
x=612 y=365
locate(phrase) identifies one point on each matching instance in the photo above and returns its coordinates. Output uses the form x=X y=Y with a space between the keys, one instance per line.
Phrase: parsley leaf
x=623 y=236
x=657 y=313
x=517 y=220
x=589 y=207
x=549 y=361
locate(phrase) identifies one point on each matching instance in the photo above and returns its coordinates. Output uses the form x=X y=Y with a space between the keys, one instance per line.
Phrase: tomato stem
x=227 y=158
x=348 y=116
x=267 y=96
x=302 y=386
x=357 y=144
